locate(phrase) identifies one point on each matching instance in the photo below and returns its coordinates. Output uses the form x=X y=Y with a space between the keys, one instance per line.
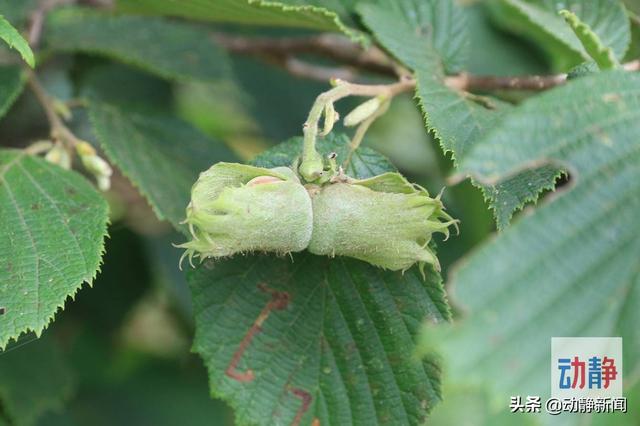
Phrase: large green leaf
x=539 y=20
x=456 y=120
x=12 y=80
x=416 y=31
x=160 y=154
x=339 y=349
x=170 y=49
x=34 y=378
x=459 y=123
x=571 y=267
x=316 y=15
x=53 y=224
x=13 y=38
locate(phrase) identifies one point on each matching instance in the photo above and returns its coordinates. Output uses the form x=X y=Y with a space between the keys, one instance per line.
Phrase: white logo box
x=585 y=348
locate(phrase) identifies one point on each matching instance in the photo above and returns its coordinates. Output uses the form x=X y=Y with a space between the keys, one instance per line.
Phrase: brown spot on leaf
x=35 y=206
x=279 y=300
x=3 y=310
x=70 y=191
x=306 y=403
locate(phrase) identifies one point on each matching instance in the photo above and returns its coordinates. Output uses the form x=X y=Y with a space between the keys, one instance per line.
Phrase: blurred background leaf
x=161 y=154
x=35 y=377
x=170 y=49
x=568 y=269
x=12 y=80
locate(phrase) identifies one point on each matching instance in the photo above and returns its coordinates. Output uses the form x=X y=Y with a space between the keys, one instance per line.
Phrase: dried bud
x=103 y=182
x=84 y=148
x=59 y=155
x=96 y=165
x=237 y=208
x=384 y=220
x=362 y=112
x=330 y=118
x=39 y=147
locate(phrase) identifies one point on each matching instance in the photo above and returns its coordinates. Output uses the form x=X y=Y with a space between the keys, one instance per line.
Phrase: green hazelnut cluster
x=384 y=220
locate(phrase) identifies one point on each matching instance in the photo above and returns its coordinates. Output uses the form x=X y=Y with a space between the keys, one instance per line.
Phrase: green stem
x=312 y=165
x=59 y=131
x=362 y=129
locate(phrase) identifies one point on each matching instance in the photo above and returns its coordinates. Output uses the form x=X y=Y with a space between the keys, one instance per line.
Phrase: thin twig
x=59 y=131
x=100 y=4
x=64 y=138
x=482 y=83
x=362 y=130
x=336 y=47
x=467 y=82
x=303 y=69
x=281 y=51
x=633 y=17
x=37 y=18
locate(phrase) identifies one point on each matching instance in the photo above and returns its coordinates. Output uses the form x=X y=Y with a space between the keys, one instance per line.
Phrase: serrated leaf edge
x=107 y=149
x=353 y=34
x=85 y=279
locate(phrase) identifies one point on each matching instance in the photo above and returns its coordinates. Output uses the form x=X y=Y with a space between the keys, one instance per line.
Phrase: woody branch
x=351 y=60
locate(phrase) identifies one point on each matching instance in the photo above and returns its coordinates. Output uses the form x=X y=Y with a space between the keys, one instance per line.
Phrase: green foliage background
x=154 y=92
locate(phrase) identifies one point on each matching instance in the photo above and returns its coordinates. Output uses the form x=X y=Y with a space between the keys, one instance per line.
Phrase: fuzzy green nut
x=237 y=208
x=384 y=220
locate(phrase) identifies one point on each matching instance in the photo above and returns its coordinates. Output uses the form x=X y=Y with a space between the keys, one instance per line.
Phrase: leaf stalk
x=312 y=166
